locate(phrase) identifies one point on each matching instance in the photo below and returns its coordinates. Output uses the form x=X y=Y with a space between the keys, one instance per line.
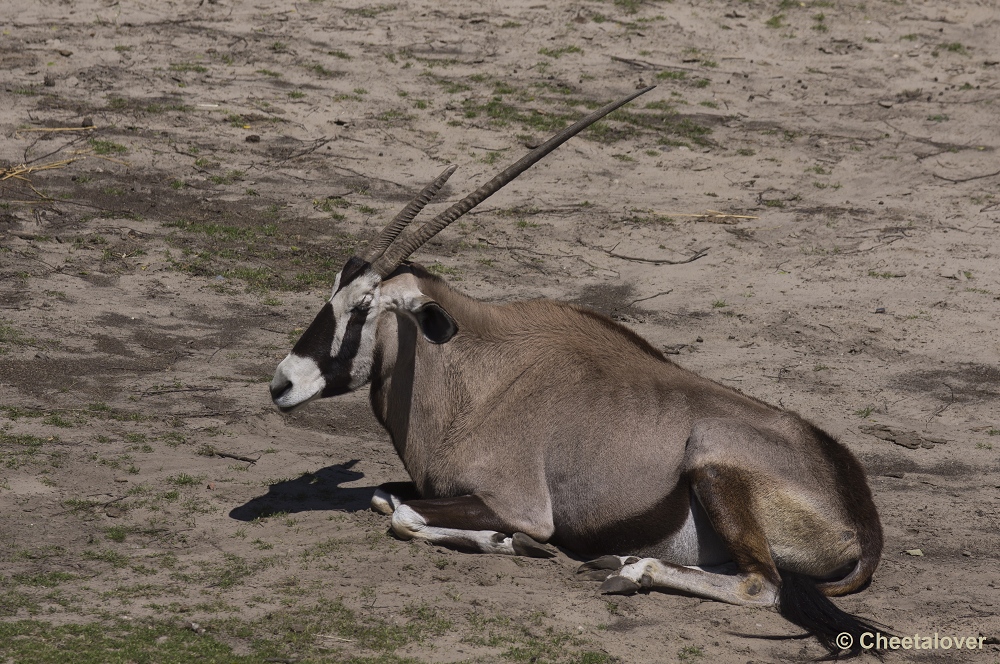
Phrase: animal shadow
x=320 y=490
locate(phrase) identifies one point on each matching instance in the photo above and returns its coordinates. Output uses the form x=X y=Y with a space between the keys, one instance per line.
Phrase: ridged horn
x=401 y=250
x=403 y=219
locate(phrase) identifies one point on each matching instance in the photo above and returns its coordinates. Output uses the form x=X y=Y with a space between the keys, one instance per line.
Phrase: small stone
x=700 y=340
x=162 y=639
x=87 y=122
x=885 y=104
x=914 y=552
x=114 y=512
x=252 y=138
x=967 y=554
x=65 y=53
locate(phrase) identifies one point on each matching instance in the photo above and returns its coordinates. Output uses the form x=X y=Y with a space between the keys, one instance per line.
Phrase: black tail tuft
x=801 y=602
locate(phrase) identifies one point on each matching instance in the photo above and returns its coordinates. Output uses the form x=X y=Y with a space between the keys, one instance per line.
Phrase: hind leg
x=651 y=574
x=767 y=516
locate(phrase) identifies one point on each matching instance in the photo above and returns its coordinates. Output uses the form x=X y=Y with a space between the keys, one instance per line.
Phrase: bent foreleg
x=466 y=523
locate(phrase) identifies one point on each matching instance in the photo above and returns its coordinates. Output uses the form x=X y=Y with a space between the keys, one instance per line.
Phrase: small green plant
x=117 y=533
x=954 y=47
x=296 y=94
x=106 y=147
x=865 y=412
x=940 y=117
x=184 y=480
x=557 y=53
x=718 y=304
x=188 y=67
x=690 y=654
x=775 y=22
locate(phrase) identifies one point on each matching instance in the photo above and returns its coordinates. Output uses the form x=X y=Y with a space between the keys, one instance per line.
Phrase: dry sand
x=154 y=275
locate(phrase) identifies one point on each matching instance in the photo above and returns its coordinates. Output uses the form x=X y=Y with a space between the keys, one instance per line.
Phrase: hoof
x=602 y=563
x=594 y=574
x=619 y=585
x=525 y=546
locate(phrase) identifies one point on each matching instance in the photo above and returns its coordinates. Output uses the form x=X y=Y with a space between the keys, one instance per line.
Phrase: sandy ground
x=183 y=180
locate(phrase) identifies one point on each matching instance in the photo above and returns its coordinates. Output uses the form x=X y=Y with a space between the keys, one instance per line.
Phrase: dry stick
x=20 y=171
x=698 y=254
x=642 y=64
x=227 y=455
x=91 y=128
x=712 y=214
x=149 y=393
x=316 y=146
x=643 y=299
x=90 y=507
x=975 y=177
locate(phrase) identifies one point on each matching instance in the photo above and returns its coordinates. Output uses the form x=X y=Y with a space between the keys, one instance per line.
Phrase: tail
x=800 y=601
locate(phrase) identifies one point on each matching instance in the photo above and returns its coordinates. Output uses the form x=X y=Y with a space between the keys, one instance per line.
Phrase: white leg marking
x=408 y=524
x=737 y=589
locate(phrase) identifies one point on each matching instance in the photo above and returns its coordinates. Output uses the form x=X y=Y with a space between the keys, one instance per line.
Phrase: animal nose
x=279 y=388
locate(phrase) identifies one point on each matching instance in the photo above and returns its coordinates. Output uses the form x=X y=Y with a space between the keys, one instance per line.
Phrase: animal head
x=335 y=353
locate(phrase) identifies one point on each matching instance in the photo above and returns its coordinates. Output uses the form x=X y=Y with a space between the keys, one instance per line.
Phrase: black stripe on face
x=317 y=340
x=354 y=268
x=337 y=370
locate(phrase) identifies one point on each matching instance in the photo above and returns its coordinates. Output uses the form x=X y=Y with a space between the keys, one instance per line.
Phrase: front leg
x=391 y=495
x=466 y=523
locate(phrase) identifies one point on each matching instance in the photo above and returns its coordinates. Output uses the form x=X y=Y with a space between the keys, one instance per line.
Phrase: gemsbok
x=538 y=423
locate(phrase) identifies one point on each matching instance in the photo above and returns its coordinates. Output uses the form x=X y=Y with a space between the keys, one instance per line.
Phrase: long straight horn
x=399 y=251
x=403 y=219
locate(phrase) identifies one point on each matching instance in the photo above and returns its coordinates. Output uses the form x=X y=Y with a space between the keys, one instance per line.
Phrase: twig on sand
x=961 y=180
x=90 y=128
x=22 y=170
x=658 y=261
x=711 y=215
x=208 y=450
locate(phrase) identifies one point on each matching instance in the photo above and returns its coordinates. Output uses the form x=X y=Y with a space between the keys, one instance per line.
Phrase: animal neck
x=409 y=375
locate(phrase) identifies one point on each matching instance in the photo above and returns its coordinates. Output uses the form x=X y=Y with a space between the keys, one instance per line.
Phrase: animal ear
x=435 y=323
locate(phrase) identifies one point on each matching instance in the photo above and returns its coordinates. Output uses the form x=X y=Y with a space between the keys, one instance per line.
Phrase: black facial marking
x=337 y=370
x=354 y=268
x=315 y=343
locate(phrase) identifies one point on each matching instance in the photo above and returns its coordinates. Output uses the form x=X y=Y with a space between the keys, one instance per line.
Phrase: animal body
x=537 y=423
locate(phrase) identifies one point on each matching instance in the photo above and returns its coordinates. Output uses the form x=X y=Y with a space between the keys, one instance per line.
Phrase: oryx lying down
x=540 y=422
